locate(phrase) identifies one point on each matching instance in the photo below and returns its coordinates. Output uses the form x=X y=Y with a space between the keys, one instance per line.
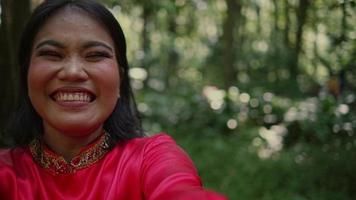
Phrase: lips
x=73 y=95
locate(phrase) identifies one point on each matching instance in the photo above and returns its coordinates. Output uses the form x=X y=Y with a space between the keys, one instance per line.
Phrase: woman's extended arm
x=169 y=173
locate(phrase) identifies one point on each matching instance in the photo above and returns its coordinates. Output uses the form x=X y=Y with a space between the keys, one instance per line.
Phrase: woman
x=77 y=129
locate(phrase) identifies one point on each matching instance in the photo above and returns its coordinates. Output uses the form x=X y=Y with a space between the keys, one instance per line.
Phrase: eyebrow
x=86 y=45
x=51 y=43
x=97 y=43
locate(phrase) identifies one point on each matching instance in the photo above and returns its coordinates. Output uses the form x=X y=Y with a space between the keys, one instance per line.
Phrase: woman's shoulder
x=9 y=156
x=159 y=149
x=152 y=142
x=162 y=136
x=149 y=148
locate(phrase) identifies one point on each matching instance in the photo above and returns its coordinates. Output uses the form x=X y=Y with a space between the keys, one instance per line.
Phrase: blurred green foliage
x=261 y=94
x=279 y=148
x=279 y=129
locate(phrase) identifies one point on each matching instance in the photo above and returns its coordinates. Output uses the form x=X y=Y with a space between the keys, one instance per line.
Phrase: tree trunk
x=146 y=17
x=147 y=12
x=301 y=18
x=287 y=23
x=276 y=15
x=173 y=56
x=13 y=16
x=228 y=42
x=342 y=37
x=258 y=14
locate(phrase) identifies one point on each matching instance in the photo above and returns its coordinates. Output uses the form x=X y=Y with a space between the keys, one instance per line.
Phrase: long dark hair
x=124 y=122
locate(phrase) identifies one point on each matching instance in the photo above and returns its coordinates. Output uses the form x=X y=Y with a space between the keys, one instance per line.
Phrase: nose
x=73 y=70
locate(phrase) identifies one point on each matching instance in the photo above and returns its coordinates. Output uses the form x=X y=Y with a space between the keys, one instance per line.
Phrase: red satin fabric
x=152 y=168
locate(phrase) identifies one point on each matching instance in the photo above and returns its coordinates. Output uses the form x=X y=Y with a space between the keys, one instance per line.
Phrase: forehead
x=71 y=22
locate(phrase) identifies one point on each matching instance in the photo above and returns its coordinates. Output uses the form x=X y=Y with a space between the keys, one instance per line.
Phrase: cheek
x=35 y=88
x=111 y=89
x=109 y=81
x=37 y=78
x=33 y=79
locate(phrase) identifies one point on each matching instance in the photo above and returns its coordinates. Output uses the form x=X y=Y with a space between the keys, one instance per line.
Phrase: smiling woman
x=67 y=67
x=77 y=131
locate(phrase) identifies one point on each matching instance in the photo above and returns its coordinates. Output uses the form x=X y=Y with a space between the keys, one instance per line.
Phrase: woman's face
x=73 y=78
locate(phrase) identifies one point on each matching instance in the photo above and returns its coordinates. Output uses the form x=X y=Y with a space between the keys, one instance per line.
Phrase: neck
x=66 y=144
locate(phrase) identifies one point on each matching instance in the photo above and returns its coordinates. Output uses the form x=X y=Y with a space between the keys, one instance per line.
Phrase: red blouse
x=152 y=168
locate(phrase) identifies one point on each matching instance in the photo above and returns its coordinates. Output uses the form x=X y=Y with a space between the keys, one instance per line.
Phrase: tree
x=301 y=21
x=229 y=40
x=13 y=16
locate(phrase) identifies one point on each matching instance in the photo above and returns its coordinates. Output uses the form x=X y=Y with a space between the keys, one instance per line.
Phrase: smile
x=67 y=95
x=76 y=96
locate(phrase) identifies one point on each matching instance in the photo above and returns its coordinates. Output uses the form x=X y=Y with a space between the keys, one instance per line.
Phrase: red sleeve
x=168 y=173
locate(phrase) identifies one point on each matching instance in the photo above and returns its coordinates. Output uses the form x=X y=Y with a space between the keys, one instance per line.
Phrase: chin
x=77 y=129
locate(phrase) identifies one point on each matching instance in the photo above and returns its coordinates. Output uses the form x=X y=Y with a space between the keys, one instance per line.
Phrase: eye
x=50 y=54
x=96 y=56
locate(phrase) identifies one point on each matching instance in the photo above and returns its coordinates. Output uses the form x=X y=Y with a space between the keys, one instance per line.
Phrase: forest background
x=260 y=93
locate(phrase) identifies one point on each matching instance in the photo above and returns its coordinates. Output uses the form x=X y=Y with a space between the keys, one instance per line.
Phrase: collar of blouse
x=56 y=164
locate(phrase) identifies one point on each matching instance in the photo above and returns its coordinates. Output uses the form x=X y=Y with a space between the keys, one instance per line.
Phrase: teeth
x=78 y=96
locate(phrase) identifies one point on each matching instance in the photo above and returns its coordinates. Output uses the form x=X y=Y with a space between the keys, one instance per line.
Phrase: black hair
x=124 y=122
